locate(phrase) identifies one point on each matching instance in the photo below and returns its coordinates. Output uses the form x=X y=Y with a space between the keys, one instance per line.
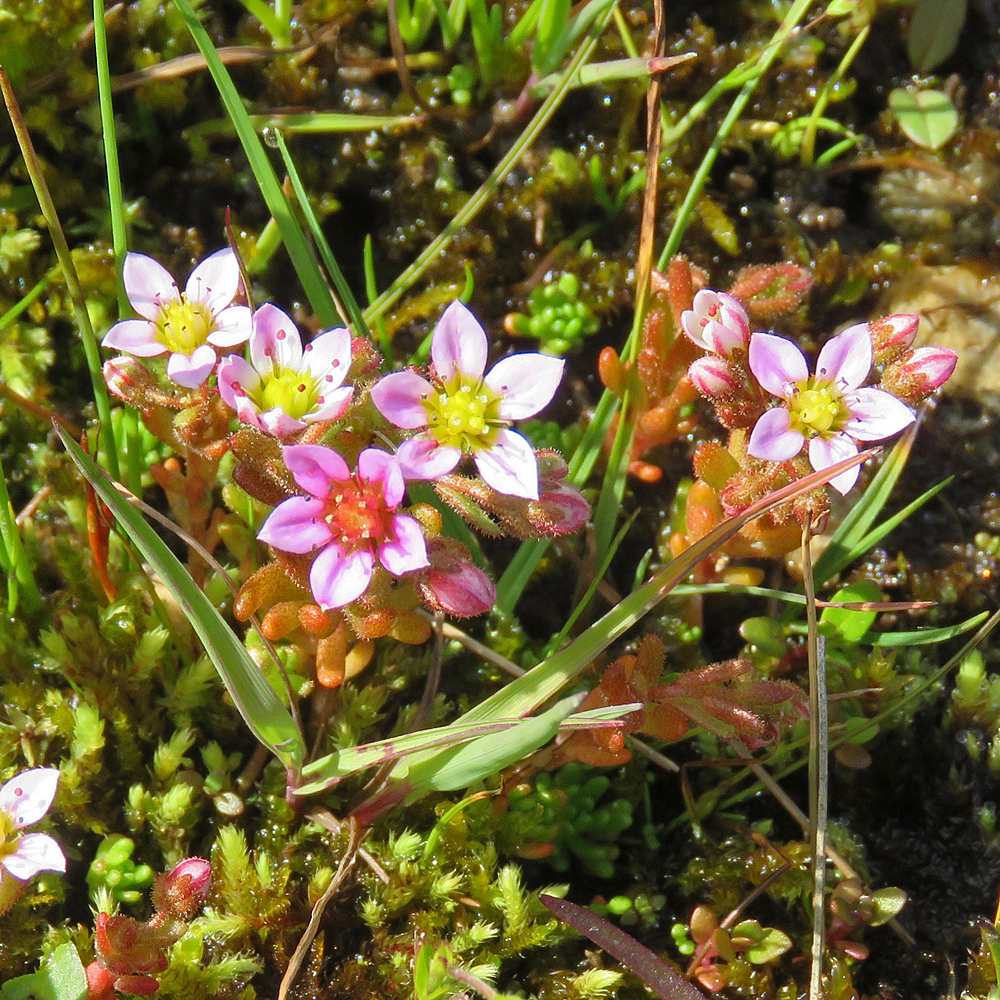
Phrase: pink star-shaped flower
x=286 y=386
x=828 y=410
x=350 y=518
x=188 y=325
x=464 y=410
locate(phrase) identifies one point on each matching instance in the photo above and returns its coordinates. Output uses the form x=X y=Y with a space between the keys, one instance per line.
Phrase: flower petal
x=233 y=326
x=377 y=466
x=215 y=280
x=337 y=579
x=510 y=466
x=315 y=467
x=148 y=284
x=526 y=383
x=846 y=358
x=277 y=423
x=236 y=380
x=409 y=550
x=328 y=357
x=777 y=364
x=875 y=414
x=459 y=344
x=27 y=796
x=35 y=852
x=332 y=406
x=824 y=452
x=134 y=336
x=296 y=525
x=275 y=341
x=190 y=370
x=399 y=397
x=772 y=438
x=421 y=457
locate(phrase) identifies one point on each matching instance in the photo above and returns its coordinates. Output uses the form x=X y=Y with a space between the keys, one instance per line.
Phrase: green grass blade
x=478 y=200
x=116 y=201
x=85 y=328
x=889 y=524
x=923 y=636
x=268 y=719
x=588 y=596
x=525 y=694
x=515 y=578
x=292 y=235
x=326 y=254
x=862 y=515
x=20 y=576
x=325 y=772
x=321 y=123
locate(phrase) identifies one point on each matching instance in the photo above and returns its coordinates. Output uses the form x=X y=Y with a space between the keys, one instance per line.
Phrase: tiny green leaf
x=61 y=977
x=927 y=117
x=852 y=625
x=934 y=32
x=888 y=902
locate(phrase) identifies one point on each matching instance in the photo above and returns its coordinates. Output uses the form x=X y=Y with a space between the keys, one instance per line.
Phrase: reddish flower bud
x=714 y=377
x=891 y=335
x=182 y=890
x=463 y=590
x=560 y=510
x=133 y=382
x=916 y=374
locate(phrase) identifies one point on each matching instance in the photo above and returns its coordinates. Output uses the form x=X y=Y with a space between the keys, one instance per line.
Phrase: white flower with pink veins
x=188 y=325
x=287 y=386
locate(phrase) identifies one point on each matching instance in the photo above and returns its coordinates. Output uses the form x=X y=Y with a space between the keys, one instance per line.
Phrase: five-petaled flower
x=24 y=800
x=349 y=517
x=828 y=410
x=464 y=411
x=717 y=322
x=287 y=386
x=188 y=325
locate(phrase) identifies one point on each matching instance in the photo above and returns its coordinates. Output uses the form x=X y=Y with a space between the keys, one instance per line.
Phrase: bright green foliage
x=114 y=870
x=563 y=811
x=557 y=316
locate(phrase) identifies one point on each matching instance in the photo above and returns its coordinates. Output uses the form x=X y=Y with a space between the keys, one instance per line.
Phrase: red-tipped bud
x=918 y=373
x=891 y=335
x=462 y=590
x=181 y=892
x=130 y=380
x=563 y=508
x=713 y=377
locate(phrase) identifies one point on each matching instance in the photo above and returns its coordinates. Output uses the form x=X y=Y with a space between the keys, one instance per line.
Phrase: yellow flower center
x=464 y=414
x=8 y=834
x=295 y=393
x=817 y=408
x=182 y=326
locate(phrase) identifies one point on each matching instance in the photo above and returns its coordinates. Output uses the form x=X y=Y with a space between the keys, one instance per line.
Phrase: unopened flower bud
x=181 y=892
x=563 y=507
x=453 y=584
x=462 y=590
x=713 y=377
x=891 y=335
x=131 y=381
x=916 y=374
